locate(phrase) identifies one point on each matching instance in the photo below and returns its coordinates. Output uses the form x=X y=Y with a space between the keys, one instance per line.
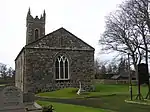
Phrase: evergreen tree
x=123 y=66
x=103 y=69
x=109 y=69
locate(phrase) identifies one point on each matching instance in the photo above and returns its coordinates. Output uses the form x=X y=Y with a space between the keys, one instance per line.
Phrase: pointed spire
x=29 y=12
x=44 y=14
x=41 y=15
x=29 y=16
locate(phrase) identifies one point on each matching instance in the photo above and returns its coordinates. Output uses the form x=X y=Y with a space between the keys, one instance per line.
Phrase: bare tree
x=127 y=31
x=100 y=68
x=10 y=72
x=114 y=68
x=138 y=13
x=97 y=68
x=123 y=65
x=3 y=70
x=117 y=35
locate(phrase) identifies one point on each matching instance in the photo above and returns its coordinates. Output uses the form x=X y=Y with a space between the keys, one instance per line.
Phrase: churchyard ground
x=109 y=98
x=60 y=107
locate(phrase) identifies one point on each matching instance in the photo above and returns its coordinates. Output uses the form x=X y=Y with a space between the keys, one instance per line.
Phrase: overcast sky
x=83 y=18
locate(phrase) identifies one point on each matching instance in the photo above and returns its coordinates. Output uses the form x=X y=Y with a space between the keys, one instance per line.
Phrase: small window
x=62 y=68
x=36 y=34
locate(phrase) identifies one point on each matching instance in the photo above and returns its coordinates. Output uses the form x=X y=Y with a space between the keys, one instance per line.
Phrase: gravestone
x=30 y=104
x=28 y=97
x=11 y=100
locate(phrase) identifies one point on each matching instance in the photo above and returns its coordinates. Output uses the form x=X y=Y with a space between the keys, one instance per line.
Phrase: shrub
x=48 y=108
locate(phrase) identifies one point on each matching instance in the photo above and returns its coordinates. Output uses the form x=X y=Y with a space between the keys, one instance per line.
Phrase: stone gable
x=60 y=39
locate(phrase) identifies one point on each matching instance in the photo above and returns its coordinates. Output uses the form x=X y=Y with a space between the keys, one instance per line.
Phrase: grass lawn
x=71 y=108
x=119 y=89
x=109 y=97
x=2 y=84
x=62 y=93
x=114 y=103
x=118 y=104
x=100 y=90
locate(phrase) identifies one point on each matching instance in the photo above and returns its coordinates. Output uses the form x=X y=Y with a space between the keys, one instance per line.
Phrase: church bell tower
x=35 y=27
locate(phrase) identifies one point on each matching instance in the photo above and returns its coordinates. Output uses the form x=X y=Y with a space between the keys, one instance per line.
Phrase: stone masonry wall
x=39 y=72
x=19 y=69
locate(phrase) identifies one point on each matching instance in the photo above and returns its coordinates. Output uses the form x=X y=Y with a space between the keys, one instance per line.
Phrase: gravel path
x=83 y=102
x=1 y=88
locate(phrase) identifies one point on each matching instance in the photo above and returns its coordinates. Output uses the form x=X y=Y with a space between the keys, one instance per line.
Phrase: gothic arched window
x=61 y=68
x=36 y=34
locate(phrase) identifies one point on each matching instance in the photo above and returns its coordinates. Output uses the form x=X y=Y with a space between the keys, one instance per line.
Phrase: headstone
x=30 y=104
x=143 y=75
x=11 y=100
x=28 y=97
x=93 y=87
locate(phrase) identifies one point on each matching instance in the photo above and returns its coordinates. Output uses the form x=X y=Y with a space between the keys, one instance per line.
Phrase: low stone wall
x=87 y=86
x=105 y=81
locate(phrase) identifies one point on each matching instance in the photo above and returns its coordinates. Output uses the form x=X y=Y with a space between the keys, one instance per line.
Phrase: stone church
x=52 y=61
